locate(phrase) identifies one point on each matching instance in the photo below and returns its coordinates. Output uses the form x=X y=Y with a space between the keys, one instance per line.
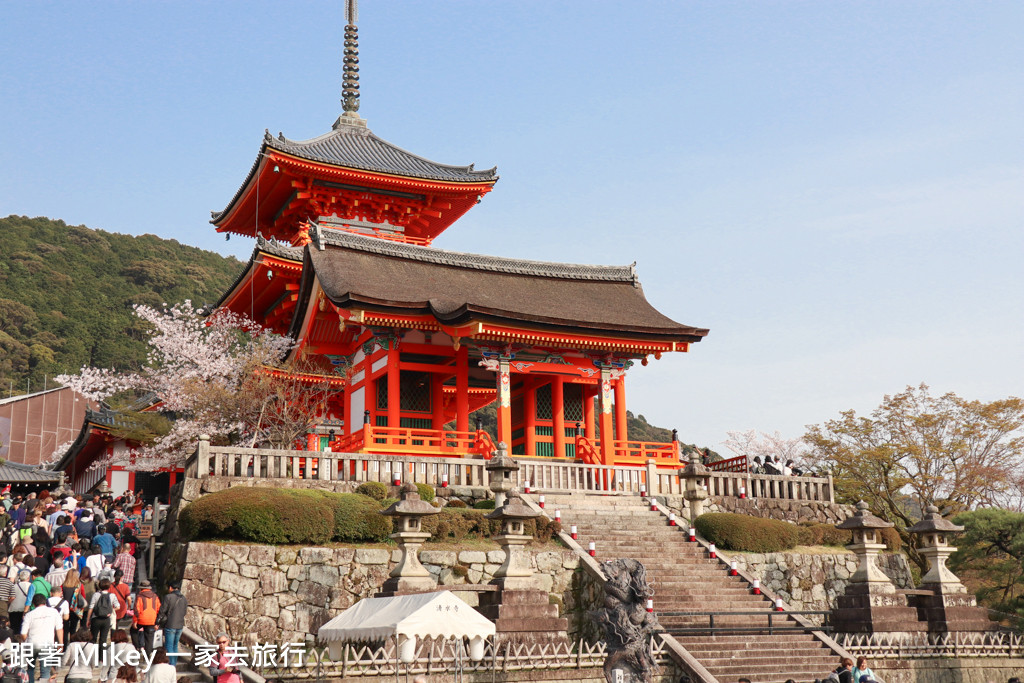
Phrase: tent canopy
x=424 y=615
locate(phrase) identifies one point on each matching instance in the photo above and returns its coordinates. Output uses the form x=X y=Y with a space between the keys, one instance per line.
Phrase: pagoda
x=416 y=338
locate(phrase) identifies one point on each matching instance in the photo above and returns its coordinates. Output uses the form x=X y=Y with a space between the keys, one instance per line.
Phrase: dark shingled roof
x=17 y=473
x=457 y=288
x=354 y=146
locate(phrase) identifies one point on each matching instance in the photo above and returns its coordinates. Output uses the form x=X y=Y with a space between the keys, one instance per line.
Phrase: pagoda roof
x=458 y=288
x=350 y=144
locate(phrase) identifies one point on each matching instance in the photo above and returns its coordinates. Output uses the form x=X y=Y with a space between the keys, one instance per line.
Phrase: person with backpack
x=147 y=608
x=86 y=527
x=73 y=594
x=123 y=593
x=172 y=617
x=39 y=586
x=101 y=611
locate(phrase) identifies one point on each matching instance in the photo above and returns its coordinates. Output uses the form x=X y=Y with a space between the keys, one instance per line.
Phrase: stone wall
x=796 y=511
x=947 y=670
x=259 y=593
x=813 y=582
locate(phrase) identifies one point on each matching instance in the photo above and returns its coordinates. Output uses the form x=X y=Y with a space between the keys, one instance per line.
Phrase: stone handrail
x=543 y=473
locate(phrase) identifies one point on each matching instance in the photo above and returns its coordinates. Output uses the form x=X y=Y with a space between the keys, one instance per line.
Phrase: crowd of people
x=70 y=577
x=770 y=466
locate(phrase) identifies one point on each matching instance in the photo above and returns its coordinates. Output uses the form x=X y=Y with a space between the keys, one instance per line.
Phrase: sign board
x=145 y=531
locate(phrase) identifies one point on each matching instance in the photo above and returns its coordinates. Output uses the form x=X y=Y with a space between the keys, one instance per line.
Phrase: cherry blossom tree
x=213 y=375
x=752 y=443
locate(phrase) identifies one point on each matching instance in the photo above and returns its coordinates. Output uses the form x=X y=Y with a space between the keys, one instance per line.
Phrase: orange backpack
x=146 y=609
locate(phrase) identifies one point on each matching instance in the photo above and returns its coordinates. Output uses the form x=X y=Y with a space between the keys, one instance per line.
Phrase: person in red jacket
x=147 y=607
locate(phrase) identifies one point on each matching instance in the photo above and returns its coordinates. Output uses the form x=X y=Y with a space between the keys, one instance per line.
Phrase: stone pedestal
x=694 y=475
x=871 y=603
x=523 y=616
x=409 y=576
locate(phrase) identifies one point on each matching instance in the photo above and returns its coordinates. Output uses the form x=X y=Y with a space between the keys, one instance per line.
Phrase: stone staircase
x=686 y=579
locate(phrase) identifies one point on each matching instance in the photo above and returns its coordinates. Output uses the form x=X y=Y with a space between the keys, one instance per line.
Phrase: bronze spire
x=350 y=80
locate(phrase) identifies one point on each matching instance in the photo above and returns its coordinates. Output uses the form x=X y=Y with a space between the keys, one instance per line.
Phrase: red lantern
x=743 y=492
x=572 y=532
x=643 y=491
x=711 y=550
x=558 y=515
x=650 y=605
x=396 y=479
x=526 y=486
x=757 y=586
x=778 y=605
x=692 y=534
x=540 y=501
x=672 y=519
x=592 y=549
x=732 y=569
x=444 y=481
x=654 y=505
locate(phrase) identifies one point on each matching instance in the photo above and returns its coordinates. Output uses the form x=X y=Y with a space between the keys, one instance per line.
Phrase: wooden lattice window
x=572 y=397
x=544 y=402
x=415 y=392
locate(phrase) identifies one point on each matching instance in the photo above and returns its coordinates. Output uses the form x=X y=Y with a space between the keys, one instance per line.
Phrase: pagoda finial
x=350 y=81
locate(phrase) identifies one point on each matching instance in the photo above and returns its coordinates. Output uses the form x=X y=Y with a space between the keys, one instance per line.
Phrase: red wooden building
x=418 y=338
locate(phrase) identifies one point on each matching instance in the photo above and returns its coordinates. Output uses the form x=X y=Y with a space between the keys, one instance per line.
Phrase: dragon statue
x=627 y=623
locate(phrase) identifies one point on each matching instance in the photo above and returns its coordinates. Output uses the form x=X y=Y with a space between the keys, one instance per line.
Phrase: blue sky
x=835 y=189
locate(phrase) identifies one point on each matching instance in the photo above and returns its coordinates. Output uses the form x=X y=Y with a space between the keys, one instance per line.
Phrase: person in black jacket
x=171 y=617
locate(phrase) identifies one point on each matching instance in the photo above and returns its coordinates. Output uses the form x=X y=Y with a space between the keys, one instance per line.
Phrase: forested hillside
x=66 y=294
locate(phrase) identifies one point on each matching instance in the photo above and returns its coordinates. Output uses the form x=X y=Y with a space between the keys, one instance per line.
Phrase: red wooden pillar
x=312 y=442
x=607 y=436
x=462 y=389
x=530 y=415
x=589 y=430
x=558 y=415
x=369 y=398
x=394 y=389
x=436 y=401
x=346 y=408
x=504 y=403
x=621 y=423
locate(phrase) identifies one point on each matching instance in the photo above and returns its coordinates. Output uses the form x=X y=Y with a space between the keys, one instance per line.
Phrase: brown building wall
x=32 y=426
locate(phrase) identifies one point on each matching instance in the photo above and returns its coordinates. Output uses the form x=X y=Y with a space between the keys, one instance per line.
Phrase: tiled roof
x=354 y=146
x=11 y=472
x=497 y=264
x=457 y=288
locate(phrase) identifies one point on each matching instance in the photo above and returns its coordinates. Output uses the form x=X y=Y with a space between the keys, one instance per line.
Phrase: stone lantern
x=409 y=576
x=933 y=536
x=500 y=469
x=871 y=603
x=694 y=492
x=515 y=573
x=946 y=604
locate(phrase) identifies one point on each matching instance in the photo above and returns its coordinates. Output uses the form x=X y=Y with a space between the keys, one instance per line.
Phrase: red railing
x=629 y=453
x=737 y=464
x=587 y=451
x=408 y=441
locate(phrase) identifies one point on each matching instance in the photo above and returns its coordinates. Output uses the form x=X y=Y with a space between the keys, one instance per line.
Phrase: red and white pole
x=711 y=550
x=778 y=605
x=732 y=569
x=650 y=605
x=572 y=532
x=692 y=534
x=743 y=492
x=654 y=505
x=757 y=586
x=592 y=549
x=396 y=478
x=643 y=491
x=672 y=519
x=558 y=515
x=526 y=486
x=540 y=501
x=444 y=481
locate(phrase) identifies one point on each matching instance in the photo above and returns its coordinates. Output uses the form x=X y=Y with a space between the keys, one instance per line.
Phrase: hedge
x=731 y=531
x=458 y=523
x=427 y=492
x=487 y=504
x=373 y=489
x=278 y=516
x=824 y=534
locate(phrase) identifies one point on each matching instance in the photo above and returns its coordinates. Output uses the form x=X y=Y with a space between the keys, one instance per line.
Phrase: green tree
x=916 y=450
x=990 y=558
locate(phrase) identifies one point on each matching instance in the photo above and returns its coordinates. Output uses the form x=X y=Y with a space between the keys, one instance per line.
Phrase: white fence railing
x=550 y=475
x=439 y=657
x=926 y=645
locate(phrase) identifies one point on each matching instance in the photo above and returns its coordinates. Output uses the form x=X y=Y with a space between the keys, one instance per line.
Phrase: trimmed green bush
x=279 y=516
x=824 y=534
x=373 y=489
x=731 y=531
x=484 y=504
x=357 y=517
x=891 y=539
x=272 y=516
x=427 y=492
x=457 y=503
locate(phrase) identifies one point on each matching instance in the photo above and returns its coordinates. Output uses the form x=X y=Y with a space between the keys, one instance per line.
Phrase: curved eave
x=328 y=170
x=258 y=264
x=469 y=313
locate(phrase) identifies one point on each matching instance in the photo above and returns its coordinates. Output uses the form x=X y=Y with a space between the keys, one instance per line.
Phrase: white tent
x=407 y=617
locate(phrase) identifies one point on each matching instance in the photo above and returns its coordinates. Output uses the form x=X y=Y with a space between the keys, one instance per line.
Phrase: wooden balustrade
x=570 y=476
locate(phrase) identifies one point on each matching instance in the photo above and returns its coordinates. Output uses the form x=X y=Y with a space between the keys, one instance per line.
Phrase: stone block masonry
x=259 y=593
x=813 y=582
